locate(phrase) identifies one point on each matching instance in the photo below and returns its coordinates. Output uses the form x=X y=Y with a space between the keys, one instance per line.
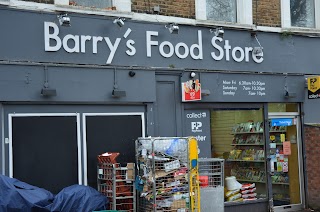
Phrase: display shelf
x=257 y=181
x=282 y=131
x=247 y=144
x=253 y=161
x=241 y=133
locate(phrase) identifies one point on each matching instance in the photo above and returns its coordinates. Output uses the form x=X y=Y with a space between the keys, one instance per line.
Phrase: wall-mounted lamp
x=257 y=51
x=64 y=19
x=46 y=91
x=192 y=74
x=218 y=32
x=205 y=92
x=119 y=21
x=116 y=93
x=173 y=28
x=289 y=95
x=132 y=73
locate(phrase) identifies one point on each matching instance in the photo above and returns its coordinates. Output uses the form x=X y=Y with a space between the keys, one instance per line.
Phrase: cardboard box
x=130 y=172
x=178 y=205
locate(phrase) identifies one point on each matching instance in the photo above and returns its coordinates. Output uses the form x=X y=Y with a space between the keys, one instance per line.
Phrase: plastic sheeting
x=19 y=196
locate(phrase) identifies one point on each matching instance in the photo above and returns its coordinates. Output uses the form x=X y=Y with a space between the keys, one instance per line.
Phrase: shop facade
x=71 y=93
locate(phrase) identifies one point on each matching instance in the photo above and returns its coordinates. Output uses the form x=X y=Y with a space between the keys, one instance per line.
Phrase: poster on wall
x=197 y=124
x=314 y=87
x=191 y=90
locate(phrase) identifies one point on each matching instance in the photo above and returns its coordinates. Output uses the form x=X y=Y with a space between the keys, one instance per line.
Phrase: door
x=43 y=148
x=110 y=132
x=285 y=162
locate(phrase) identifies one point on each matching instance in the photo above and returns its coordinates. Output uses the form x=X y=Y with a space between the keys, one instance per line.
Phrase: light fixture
x=218 y=32
x=46 y=91
x=289 y=95
x=119 y=21
x=64 y=19
x=205 y=92
x=132 y=73
x=192 y=74
x=173 y=28
x=116 y=92
x=257 y=51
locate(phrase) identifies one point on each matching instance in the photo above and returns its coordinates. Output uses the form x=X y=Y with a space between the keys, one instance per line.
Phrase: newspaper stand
x=168 y=174
x=117 y=182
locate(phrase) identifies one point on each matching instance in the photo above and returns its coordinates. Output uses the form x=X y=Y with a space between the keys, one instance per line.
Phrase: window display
x=238 y=136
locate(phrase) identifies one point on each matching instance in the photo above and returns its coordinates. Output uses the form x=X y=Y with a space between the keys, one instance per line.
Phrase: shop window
x=237 y=136
x=283 y=107
x=300 y=13
x=230 y=11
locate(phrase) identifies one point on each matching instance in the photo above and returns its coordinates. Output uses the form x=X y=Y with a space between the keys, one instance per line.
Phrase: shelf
x=241 y=133
x=247 y=144
x=251 y=161
x=255 y=181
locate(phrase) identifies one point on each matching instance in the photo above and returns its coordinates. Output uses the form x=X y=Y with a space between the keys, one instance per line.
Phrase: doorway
x=43 y=147
x=109 y=132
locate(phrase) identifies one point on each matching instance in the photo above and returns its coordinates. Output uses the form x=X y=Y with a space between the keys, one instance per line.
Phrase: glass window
x=302 y=13
x=237 y=136
x=222 y=10
x=283 y=107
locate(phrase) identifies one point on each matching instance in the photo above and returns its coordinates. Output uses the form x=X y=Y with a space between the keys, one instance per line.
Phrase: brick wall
x=177 y=8
x=312 y=143
x=266 y=13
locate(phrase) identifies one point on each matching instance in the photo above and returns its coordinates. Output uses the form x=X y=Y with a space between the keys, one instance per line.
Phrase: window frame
x=286 y=15
x=244 y=11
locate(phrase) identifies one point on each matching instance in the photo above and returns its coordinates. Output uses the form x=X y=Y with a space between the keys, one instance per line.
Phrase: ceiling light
x=119 y=21
x=192 y=74
x=173 y=28
x=258 y=51
x=64 y=20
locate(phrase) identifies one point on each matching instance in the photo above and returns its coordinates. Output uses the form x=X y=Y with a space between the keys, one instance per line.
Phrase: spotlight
x=132 y=73
x=192 y=75
x=173 y=28
x=118 y=93
x=47 y=92
x=119 y=21
x=219 y=32
x=258 y=51
x=288 y=95
x=64 y=20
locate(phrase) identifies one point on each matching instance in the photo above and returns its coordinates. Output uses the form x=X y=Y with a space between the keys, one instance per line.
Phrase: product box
x=130 y=171
x=178 y=205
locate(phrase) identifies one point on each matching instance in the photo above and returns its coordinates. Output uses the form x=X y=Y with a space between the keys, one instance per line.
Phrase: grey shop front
x=111 y=85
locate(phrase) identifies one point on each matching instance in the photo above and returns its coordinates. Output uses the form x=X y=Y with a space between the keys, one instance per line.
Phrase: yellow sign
x=313 y=87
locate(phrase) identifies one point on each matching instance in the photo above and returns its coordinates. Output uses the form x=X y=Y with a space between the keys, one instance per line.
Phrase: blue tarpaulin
x=22 y=197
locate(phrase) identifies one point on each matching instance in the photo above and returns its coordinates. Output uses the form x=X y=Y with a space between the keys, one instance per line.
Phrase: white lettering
x=227 y=47
x=197 y=46
x=113 y=48
x=95 y=41
x=171 y=49
x=131 y=50
x=221 y=53
x=54 y=36
x=186 y=50
x=75 y=39
x=247 y=51
x=256 y=58
x=150 y=42
x=234 y=56
x=83 y=42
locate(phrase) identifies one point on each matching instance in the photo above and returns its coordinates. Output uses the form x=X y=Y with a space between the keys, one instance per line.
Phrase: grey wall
x=24 y=83
x=25 y=42
x=311 y=108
